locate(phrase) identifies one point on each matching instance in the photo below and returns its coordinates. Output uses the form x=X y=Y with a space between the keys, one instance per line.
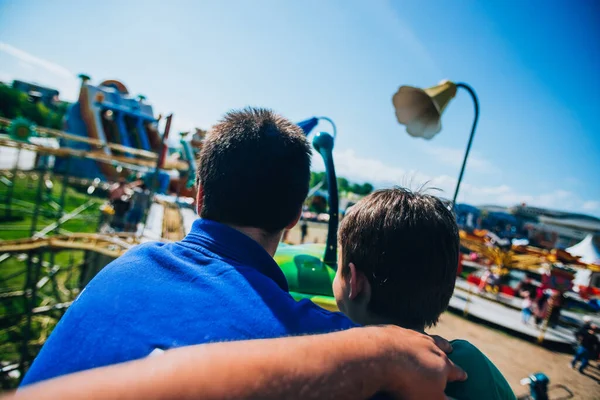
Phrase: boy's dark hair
x=254 y=168
x=406 y=244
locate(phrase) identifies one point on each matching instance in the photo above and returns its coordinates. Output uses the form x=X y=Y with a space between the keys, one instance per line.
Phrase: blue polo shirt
x=216 y=284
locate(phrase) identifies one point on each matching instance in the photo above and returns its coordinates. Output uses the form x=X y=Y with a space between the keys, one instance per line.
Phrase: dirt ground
x=316 y=233
x=515 y=357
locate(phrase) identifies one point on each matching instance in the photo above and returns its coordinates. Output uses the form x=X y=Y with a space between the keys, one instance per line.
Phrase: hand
x=442 y=343
x=416 y=365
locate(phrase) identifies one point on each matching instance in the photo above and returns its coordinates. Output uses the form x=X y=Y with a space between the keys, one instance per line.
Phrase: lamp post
x=309 y=124
x=420 y=110
x=323 y=144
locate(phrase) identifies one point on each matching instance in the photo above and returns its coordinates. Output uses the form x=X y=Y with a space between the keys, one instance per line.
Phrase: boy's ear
x=358 y=282
x=199 y=199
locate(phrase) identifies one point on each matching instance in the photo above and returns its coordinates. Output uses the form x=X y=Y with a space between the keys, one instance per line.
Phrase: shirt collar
x=232 y=244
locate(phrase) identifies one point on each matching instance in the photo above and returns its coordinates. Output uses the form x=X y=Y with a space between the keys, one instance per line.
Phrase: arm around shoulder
x=352 y=364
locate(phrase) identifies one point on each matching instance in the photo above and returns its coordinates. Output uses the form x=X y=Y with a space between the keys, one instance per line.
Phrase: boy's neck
x=372 y=319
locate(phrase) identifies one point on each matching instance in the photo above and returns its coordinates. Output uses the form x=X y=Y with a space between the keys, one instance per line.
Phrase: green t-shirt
x=484 y=382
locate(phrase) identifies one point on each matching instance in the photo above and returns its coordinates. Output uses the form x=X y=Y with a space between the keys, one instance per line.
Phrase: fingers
x=456 y=373
x=442 y=343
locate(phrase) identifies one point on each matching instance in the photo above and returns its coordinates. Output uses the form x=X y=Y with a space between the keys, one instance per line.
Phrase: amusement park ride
x=110 y=136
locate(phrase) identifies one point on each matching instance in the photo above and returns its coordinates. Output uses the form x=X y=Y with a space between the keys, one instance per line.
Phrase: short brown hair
x=407 y=245
x=254 y=168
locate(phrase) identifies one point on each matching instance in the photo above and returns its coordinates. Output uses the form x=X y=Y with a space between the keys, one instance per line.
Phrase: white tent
x=587 y=249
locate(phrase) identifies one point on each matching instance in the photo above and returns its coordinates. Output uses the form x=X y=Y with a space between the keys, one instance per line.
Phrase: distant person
x=541 y=308
x=587 y=323
x=397 y=265
x=588 y=345
x=470 y=223
x=120 y=201
x=303 y=230
x=483 y=282
x=555 y=303
x=140 y=200
x=526 y=307
x=117 y=190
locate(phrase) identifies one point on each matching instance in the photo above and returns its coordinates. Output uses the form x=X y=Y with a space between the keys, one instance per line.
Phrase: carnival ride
x=43 y=272
x=106 y=113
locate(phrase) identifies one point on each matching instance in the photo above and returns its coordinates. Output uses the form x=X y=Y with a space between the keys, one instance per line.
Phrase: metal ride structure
x=517 y=269
x=43 y=274
x=46 y=287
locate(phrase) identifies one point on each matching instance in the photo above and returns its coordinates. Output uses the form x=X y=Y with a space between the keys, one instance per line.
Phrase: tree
x=343 y=184
x=14 y=103
x=355 y=188
x=316 y=177
x=9 y=102
x=366 y=188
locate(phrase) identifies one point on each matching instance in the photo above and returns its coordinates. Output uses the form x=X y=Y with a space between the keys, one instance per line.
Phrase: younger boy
x=397 y=265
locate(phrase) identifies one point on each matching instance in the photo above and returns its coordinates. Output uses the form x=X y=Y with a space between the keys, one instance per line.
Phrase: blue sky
x=534 y=65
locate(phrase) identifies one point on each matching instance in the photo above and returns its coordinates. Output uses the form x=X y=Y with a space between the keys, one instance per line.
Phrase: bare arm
x=353 y=364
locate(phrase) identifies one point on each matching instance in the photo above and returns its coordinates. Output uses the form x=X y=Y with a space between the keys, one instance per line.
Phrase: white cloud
x=360 y=169
x=25 y=65
x=33 y=60
x=454 y=157
x=44 y=72
x=591 y=205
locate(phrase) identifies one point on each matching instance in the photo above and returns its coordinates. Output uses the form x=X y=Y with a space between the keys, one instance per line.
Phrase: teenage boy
x=398 y=262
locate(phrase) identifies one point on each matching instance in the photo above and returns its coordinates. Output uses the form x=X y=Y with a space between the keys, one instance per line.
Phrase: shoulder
x=485 y=380
x=309 y=318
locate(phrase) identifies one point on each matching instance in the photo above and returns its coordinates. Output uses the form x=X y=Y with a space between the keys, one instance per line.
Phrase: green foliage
x=343 y=184
x=316 y=177
x=14 y=103
x=363 y=189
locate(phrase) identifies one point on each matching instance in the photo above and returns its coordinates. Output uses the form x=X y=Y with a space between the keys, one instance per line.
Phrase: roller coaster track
x=47 y=132
x=93 y=155
x=146 y=159
x=110 y=245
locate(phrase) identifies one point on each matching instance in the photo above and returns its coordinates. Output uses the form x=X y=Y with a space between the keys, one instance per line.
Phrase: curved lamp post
x=323 y=143
x=309 y=124
x=421 y=111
